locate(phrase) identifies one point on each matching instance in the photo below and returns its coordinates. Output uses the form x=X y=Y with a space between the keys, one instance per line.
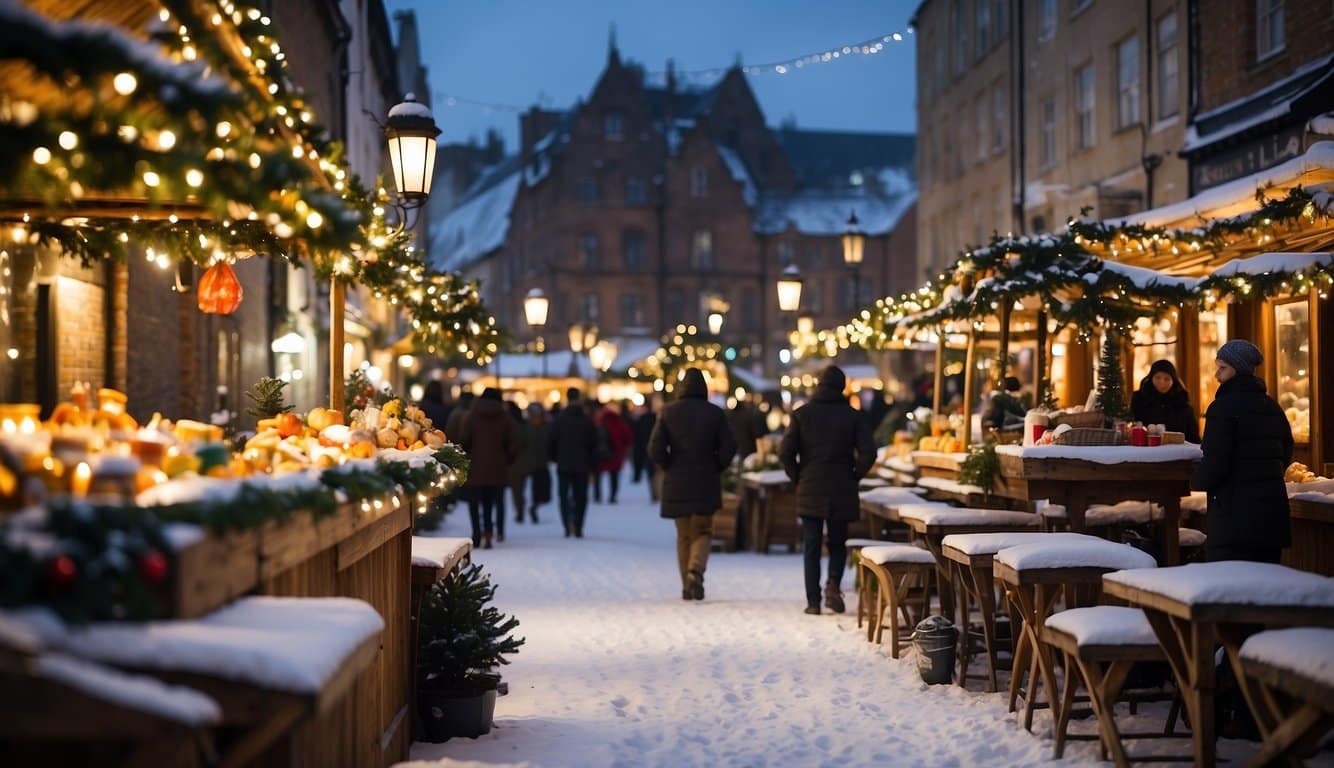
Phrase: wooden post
x=1004 y=355
x=937 y=391
x=337 y=299
x=1041 y=366
x=970 y=362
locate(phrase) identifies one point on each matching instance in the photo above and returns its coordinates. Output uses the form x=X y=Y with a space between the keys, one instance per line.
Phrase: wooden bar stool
x=1289 y=685
x=890 y=570
x=863 y=597
x=1100 y=644
x=969 y=555
x=1035 y=575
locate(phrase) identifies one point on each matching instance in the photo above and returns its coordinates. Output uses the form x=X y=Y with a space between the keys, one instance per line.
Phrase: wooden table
x=1160 y=475
x=1193 y=607
x=1312 y=536
x=772 y=495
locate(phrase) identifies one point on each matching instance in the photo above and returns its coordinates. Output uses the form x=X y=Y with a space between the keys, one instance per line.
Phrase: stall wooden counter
x=1077 y=476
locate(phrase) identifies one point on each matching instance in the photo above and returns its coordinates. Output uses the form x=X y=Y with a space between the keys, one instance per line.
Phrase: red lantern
x=153 y=567
x=219 y=291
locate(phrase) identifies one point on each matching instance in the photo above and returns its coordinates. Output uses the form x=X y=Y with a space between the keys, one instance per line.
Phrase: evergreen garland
x=1111 y=388
x=461 y=634
x=981 y=467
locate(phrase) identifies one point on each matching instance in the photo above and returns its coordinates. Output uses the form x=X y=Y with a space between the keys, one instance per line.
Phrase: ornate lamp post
x=854 y=244
x=535 y=306
x=789 y=289
x=583 y=337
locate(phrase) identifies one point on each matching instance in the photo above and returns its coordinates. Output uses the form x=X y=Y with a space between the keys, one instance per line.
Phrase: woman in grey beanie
x=1247 y=445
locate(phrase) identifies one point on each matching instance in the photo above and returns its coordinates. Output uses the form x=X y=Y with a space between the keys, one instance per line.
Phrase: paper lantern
x=219 y=291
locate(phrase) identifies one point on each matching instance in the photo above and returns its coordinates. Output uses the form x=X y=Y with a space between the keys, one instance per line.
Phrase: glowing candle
x=82 y=478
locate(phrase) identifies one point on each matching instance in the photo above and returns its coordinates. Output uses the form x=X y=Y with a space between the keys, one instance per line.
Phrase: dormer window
x=699 y=182
x=613 y=126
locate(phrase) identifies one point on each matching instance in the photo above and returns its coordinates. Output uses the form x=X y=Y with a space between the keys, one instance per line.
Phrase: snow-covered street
x=619 y=671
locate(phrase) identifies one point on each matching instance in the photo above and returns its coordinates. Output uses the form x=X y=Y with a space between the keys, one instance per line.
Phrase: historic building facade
x=651 y=205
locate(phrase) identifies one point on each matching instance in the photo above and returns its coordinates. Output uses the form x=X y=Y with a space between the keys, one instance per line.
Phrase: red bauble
x=153 y=567
x=219 y=291
x=61 y=571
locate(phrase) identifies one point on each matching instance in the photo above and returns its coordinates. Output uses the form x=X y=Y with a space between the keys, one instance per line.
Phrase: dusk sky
x=523 y=52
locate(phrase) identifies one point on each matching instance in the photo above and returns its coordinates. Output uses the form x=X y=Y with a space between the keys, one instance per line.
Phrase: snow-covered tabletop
x=281 y=643
x=1106 y=454
x=439 y=552
x=1189 y=537
x=936 y=514
x=901 y=465
x=897 y=553
x=949 y=486
x=137 y=692
x=1309 y=651
x=1104 y=625
x=1230 y=582
x=891 y=496
x=919 y=457
x=991 y=543
x=1315 y=498
x=1093 y=553
x=767 y=477
x=872 y=482
x=1322 y=485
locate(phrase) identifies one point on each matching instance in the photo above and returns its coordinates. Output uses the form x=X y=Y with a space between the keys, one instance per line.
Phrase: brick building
x=648 y=204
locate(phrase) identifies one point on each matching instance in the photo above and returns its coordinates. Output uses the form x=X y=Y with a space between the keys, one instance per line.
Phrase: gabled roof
x=828 y=158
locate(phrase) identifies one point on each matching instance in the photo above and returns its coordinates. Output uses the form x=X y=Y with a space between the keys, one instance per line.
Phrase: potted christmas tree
x=462 y=639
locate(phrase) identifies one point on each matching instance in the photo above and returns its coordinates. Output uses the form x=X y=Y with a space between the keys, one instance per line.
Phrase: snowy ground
x=619 y=671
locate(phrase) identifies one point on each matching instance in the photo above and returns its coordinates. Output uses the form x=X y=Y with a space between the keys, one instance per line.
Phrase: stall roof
x=752 y=381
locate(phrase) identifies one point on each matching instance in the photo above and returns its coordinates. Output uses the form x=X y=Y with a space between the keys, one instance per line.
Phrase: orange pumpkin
x=219 y=291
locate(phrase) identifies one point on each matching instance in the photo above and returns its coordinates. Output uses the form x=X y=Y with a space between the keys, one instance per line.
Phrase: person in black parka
x=1161 y=399
x=1247 y=445
x=826 y=450
x=572 y=444
x=693 y=444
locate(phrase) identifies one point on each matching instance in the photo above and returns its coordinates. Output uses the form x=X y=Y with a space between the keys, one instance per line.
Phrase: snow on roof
x=826 y=214
x=737 y=167
x=1269 y=263
x=136 y=692
x=1309 y=651
x=1106 y=454
x=1142 y=277
x=1105 y=625
x=1238 y=194
x=1094 y=553
x=1232 y=582
x=475 y=228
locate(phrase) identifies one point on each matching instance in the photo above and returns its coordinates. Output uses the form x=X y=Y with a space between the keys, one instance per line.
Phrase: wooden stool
x=893 y=568
x=1289 y=685
x=863 y=597
x=1099 y=645
x=969 y=556
x=1035 y=575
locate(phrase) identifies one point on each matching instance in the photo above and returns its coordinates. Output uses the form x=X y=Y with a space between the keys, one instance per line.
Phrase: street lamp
x=715 y=322
x=601 y=355
x=411 y=133
x=583 y=337
x=854 y=244
x=805 y=324
x=789 y=289
x=535 y=307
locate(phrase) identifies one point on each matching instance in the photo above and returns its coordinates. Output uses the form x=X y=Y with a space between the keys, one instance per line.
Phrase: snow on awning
x=475 y=228
x=1274 y=102
x=1143 y=277
x=1274 y=263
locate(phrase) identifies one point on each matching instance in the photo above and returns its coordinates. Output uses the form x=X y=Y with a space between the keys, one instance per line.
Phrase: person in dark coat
x=573 y=445
x=433 y=404
x=742 y=420
x=1247 y=445
x=826 y=450
x=454 y=424
x=642 y=426
x=522 y=466
x=1161 y=399
x=1005 y=408
x=693 y=444
x=540 y=478
x=492 y=442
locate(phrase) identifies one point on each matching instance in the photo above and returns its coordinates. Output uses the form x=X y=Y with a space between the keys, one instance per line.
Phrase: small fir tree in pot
x=462 y=639
x=1111 y=386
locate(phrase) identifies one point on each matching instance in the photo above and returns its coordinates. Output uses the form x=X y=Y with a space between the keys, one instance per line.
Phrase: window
x=1269 y=38
x=613 y=126
x=1127 y=82
x=632 y=310
x=1046 y=19
x=847 y=295
x=1168 y=80
x=701 y=250
x=588 y=307
x=588 y=190
x=787 y=254
x=699 y=182
x=1000 y=20
x=997 y=118
x=960 y=32
x=1084 y=100
x=982 y=33
x=588 y=251
x=981 y=135
x=632 y=249
x=1047 y=144
x=634 y=192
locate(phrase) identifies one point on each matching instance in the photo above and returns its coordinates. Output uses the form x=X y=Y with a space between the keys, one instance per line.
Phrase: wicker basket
x=1089 y=436
x=1077 y=419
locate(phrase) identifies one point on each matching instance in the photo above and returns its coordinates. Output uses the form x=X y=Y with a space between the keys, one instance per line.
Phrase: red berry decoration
x=61 y=571
x=153 y=567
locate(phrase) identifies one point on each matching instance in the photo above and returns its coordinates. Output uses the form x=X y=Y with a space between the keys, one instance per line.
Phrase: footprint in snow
x=620 y=702
x=731 y=698
x=771 y=678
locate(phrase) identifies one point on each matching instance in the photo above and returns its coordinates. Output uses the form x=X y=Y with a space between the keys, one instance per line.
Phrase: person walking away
x=643 y=430
x=1161 y=399
x=619 y=441
x=454 y=424
x=1247 y=445
x=572 y=445
x=539 y=491
x=523 y=463
x=692 y=443
x=433 y=404
x=492 y=442
x=826 y=450
x=742 y=420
